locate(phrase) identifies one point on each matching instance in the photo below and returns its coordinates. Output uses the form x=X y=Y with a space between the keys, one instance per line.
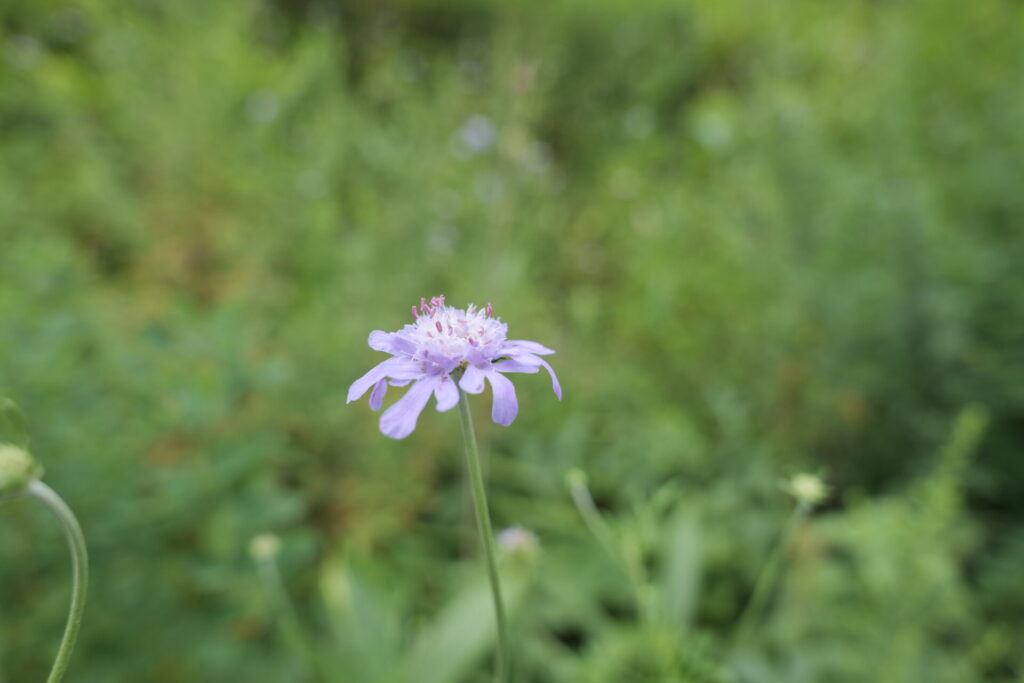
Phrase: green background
x=764 y=237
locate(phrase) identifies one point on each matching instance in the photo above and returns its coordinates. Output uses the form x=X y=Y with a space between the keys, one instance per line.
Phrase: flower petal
x=379 y=340
x=472 y=381
x=527 y=360
x=515 y=365
x=392 y=367
x=377 y=395
x=390 y=342
x=505 y=406
x=555 y=386
x=446 y=393
x=529 y=346
x=399 y=420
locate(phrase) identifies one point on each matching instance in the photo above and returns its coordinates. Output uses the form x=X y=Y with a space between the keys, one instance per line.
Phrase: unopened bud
x=265 y=547
x=807 y=488
x=17 y=469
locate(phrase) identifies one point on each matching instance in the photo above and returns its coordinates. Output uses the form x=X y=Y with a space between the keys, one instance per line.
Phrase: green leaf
x=680 y=580
x=365 y=627
x=461 y=634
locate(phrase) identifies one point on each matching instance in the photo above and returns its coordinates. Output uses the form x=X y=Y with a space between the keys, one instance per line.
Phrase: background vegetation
x=764 y=237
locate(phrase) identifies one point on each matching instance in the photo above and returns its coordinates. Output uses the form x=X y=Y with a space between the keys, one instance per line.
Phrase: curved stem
x=295 y=635
x=770 y=572
x=483 y=519
x=80 y=573
x=630 y=562
x=592 y=517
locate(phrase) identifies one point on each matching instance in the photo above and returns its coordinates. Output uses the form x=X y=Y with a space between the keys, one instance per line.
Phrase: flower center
x=454 y=333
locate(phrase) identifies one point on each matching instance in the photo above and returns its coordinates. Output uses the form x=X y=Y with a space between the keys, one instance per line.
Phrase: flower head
x=17 y=469
x=265 y=547
x=445 y=350
x=808 y=489
x=518 y=540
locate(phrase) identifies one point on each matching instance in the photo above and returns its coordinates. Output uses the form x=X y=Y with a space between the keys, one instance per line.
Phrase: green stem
x=591 y=515
x=628 y=557
x=483 y=520
x=80 y=573
x=294 y=634
x=770 y=572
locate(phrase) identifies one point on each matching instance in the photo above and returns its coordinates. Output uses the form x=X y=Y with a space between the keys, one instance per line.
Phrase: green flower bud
x=17 y=469
x=808 y=489
x=265 y=547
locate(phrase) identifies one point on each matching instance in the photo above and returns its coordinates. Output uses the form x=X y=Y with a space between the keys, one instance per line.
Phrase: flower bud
x=808 y=489
x=265 y=547
x=17 y=469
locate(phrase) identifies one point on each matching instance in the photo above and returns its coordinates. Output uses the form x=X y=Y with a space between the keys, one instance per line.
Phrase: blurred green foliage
x=763 y=237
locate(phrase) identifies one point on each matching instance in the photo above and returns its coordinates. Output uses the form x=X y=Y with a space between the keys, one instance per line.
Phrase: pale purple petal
x=527 y=360
x=377 y=396
x=439 y=341
x=524 y=358
x=529 y=346
x=392 y=367
x=446 y=393
x=473 y=381
x=516 y=366
x=390 y=342
x=505 y=406
x=380 y=340
x=555 y=386
x=399 y=420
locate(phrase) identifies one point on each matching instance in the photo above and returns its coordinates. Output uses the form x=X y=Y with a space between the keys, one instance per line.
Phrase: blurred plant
x=808 y=490
x=367 y=642
x=666 y=647
x=264 y=550
x=20 y=476
x=518 y=541
x=885 y=576
x=623 y=549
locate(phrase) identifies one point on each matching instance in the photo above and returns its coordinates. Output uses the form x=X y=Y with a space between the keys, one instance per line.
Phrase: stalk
x=770 y=572
x=264 y=550
x=80 y=573
x=628 y=557
x=483 y=519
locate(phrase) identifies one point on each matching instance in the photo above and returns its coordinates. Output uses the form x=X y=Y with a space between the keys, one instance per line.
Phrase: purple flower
x=441 y=341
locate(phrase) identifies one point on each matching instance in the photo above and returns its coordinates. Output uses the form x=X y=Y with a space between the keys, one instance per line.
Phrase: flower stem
x=294 y=634
x=629 y=557
x=483 y=520
x=770 y=572
x=80 y=573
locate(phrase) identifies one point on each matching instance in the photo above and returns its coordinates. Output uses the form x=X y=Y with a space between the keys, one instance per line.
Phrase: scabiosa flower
x=432 y=351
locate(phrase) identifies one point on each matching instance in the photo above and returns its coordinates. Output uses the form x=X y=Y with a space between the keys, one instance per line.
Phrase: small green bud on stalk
x=18 y=469
x=808 y=489
x=265 y=547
